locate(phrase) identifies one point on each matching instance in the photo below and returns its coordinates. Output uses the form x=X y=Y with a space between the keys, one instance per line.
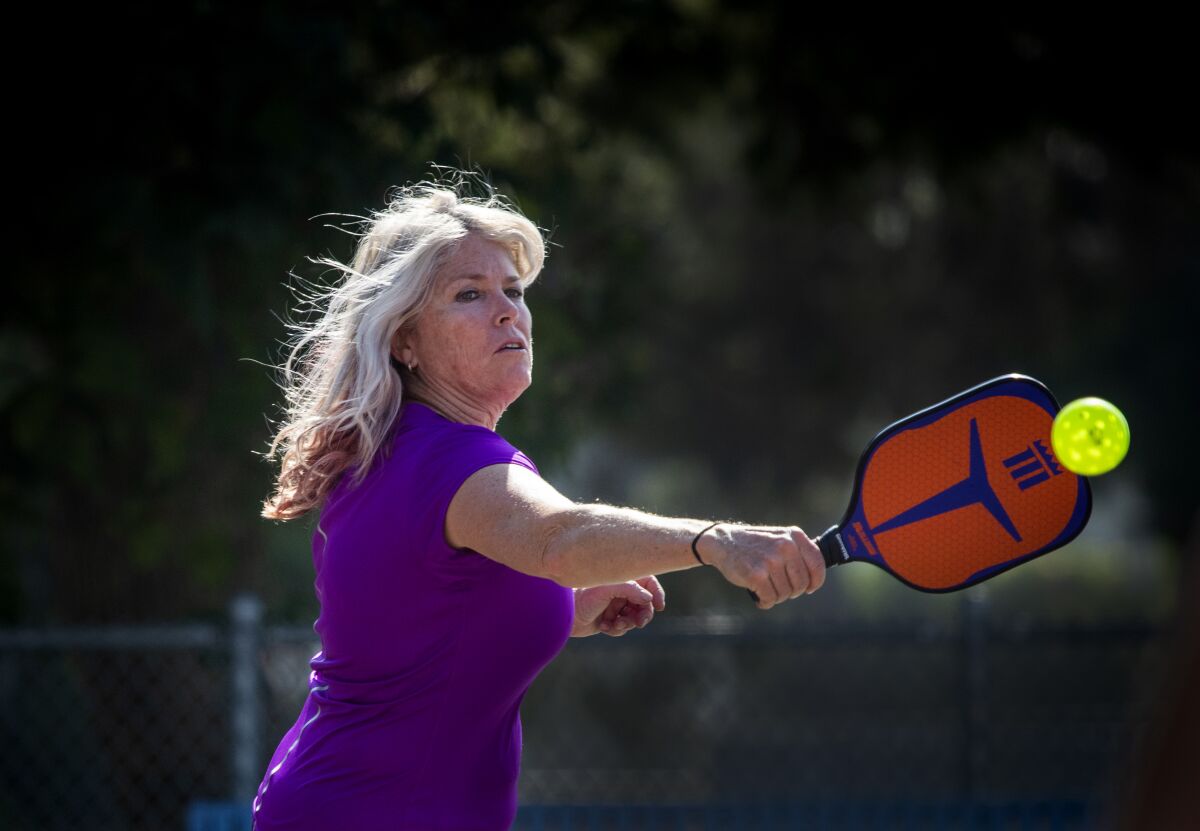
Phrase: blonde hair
x=342 y=389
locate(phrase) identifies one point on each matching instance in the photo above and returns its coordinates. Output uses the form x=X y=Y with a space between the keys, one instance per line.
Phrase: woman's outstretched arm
x=512 y=515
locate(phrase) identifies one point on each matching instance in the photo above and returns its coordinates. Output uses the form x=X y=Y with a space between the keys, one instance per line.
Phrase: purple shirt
x=412 y=721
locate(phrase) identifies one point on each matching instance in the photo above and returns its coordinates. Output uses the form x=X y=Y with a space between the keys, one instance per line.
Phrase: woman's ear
x=402 y=349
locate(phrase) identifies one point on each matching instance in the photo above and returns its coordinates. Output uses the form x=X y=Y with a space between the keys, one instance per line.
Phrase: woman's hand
x=776 y=563
x=616 y=608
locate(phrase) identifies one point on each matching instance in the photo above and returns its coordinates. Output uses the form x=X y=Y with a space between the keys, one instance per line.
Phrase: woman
x=448 y=571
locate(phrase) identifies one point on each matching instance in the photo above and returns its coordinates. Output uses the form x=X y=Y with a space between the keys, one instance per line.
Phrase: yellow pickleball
x=1090 y=436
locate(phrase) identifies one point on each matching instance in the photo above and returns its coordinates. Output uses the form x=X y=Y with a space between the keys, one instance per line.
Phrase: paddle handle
x=831 y=547
x=831 y=550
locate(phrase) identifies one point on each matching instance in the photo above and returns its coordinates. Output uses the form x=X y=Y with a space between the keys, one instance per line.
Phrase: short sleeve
x=449 y=461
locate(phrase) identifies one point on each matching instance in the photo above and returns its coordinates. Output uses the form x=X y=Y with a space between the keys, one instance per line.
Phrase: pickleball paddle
x=964 y=490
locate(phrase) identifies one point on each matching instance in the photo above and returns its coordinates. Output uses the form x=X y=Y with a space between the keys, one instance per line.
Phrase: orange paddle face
x=969 y=488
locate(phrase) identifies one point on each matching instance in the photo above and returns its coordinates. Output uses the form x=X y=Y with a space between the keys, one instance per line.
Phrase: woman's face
x=473 y=341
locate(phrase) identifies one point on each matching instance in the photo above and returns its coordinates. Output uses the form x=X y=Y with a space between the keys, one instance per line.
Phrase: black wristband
x=697 y=539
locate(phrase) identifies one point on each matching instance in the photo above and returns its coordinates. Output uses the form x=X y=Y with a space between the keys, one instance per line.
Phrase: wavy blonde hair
x=342 y=387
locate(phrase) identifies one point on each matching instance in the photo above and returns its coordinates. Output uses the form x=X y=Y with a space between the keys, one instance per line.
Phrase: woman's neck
x=452 y=406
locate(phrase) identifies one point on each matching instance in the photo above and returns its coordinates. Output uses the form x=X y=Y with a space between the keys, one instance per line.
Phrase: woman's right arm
x=510 y=514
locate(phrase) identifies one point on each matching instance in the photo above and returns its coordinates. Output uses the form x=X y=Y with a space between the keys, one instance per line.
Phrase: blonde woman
x=449 y=573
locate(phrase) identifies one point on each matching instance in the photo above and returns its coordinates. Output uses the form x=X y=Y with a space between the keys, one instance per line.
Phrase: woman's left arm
x=616 y=608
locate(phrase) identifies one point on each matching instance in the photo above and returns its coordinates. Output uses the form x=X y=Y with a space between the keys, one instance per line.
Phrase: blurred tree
x=769 y=242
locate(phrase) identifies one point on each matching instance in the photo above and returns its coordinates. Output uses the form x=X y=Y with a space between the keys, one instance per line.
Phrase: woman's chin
x=519 y=382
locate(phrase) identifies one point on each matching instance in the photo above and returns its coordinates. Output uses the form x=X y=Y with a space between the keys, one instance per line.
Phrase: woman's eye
x=472 y=294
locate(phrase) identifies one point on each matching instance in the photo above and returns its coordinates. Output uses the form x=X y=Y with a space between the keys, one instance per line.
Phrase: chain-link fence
x=127 y=728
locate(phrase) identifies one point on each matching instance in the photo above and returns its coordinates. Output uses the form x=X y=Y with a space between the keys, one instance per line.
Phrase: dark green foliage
x=769 y=242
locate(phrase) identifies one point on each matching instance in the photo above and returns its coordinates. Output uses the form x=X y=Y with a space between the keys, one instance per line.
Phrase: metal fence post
x=245 y=618
x=975 y=750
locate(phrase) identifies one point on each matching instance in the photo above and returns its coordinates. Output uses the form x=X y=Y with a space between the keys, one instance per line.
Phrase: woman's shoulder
x=428 y=457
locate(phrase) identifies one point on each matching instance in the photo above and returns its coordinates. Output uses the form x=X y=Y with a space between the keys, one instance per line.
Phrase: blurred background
x=769 y=241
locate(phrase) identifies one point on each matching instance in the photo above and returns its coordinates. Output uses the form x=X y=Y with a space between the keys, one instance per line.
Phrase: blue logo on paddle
x=973 y=490
x=1032 y=466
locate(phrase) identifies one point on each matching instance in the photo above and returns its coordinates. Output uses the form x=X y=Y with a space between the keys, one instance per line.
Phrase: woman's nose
x=507 y=310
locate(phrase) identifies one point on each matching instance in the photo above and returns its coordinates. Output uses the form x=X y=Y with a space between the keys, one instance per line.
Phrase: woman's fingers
x=613 y=610
x=632 y=591
x=787 y=580
x=797 y=574
x=814 y=560
x=655 y=588
x=777 y=564
x=618 y=607
x=635 y=615
x=623 y=614
x=765 y=587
